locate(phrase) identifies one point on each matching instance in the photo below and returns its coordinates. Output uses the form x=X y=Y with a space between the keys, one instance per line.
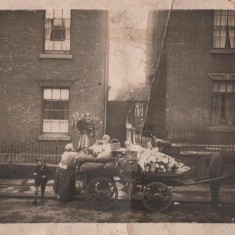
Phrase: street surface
x=21 y=210
x=16 y=196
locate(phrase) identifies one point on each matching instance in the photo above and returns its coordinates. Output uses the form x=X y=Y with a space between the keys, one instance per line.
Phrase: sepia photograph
x=117 y=113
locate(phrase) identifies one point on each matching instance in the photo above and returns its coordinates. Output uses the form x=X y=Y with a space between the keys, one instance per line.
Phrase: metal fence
x=191 y=140
x=15 y=151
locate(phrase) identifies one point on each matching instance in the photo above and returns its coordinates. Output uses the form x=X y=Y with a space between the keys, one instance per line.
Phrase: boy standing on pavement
x=41 y=174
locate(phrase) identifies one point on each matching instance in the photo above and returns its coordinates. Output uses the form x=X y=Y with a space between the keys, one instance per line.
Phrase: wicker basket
x=115 y=144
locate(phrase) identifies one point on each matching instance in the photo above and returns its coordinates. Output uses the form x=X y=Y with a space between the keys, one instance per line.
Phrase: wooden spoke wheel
x=157 y=197
x=101 y=193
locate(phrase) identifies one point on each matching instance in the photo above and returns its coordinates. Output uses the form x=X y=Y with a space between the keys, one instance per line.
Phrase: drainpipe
x=106 y=81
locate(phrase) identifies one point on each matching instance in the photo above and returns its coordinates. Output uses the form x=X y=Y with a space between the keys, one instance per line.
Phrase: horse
x=220 y=163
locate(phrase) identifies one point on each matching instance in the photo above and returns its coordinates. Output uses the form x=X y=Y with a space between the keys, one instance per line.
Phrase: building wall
x=22 y=40
x=156 y=118
x=189 y=60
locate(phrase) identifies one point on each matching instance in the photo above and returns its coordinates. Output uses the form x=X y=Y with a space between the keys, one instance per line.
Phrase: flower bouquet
x=152 y=161
x=87 y=125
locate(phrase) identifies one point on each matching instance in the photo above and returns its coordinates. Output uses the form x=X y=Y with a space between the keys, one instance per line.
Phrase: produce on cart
x=157 y=171
x=135 y=166
x=152 y=161
x=96 y=156
x=94 y=162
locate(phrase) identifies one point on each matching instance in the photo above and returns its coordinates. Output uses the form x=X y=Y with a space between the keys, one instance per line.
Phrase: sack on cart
x=91 y=166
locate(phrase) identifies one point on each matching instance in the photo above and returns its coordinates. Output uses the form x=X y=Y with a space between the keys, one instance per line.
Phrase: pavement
x=24 y=188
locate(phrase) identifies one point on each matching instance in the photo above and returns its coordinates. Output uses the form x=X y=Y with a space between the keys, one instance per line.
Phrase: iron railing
x=15 y=151
x=191 y=140
x=191 y=148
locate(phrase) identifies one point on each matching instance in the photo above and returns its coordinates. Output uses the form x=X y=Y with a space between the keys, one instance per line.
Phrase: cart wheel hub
x=101 y=193
x=157 y=196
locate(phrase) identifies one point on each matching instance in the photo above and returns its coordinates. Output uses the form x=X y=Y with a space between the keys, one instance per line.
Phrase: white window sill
x=55 y=56
x=222 y=128
x=54 y=136
x=222 y=51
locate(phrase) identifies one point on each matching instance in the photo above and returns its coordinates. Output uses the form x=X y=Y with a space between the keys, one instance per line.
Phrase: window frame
x=42 y=111
x=139 y=119
x=221 y=77
x=51 y=46
x=227 y=27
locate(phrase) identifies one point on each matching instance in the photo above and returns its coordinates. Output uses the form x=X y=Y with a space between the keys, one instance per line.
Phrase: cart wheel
x=101 y=193
x=157 y=197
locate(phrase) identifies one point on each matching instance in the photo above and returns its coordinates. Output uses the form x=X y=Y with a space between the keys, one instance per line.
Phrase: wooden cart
x=102 y=193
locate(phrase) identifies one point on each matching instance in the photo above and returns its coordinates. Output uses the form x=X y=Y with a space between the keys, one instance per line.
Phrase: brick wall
x=189 y=60
x=158 y=98
x=22 y=40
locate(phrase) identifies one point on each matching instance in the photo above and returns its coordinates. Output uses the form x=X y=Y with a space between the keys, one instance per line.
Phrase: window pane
x=66 y=115
x=216 y=42
x=46 y=104
x=217 y=20
x=230 y=87
x=63 y=126
x=62 y=115
x=231 y=13
x=66 y=23
x=222 y=87
x=48 y=23
x=46 y=126
x=217 y=12
x=232 y=37
x=67 y=35
x=231 y=21
x=59 y=126
x=139 y=110
x=57 y=34
x=47 y=94
x=223 y=21
x=57 y=45
x=64 y=105
x=56 y=105
x=56 y=115
x=215 y=86
x=56 y=94
x=55 y=126
x=48 y=33
x=58 y=23
x=222 y=37
x=65 y=45
x=64 y=94
x=49 y=44
x=46 y=114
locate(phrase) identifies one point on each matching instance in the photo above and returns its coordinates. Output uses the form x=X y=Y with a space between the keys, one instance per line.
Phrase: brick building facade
x=53 y=64
x=194 y=88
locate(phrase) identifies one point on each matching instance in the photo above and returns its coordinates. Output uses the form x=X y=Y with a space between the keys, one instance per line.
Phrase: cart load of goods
x=99 y=157
x=96 y=157
x=151 y=161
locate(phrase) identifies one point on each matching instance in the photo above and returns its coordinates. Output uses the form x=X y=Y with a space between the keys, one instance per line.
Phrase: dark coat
x=41 y=171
